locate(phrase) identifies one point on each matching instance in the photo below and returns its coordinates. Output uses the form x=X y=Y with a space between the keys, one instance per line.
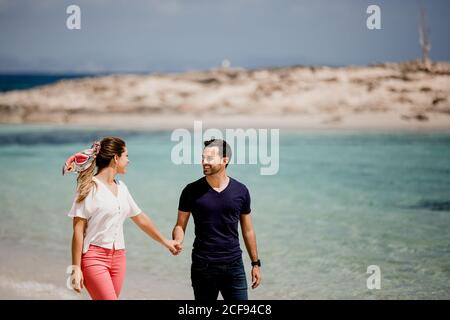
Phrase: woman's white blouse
x=105 y=214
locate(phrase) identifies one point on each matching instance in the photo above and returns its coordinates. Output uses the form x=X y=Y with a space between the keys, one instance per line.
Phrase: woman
x=100 y=207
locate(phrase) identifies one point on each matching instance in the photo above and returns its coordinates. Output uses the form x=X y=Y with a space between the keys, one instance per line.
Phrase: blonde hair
x=85 y=182
x=109 y=147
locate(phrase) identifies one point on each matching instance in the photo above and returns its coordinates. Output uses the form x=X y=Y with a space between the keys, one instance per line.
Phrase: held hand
x=178 y=246
x=256 y=277
x=173 y=246
x=77 y=279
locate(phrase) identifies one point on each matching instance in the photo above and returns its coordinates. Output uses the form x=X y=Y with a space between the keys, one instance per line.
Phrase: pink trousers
x=103 y=271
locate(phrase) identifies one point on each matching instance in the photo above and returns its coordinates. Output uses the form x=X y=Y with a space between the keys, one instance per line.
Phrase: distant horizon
x=81 y=73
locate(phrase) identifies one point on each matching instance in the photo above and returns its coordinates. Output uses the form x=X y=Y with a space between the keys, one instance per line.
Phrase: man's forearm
x=250 y=244
x=178 y=234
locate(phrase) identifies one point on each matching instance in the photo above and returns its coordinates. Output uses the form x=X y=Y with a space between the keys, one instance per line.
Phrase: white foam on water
x=35 y=290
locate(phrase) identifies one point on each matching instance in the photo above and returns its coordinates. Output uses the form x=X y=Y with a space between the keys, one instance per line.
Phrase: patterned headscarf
x=82 y=160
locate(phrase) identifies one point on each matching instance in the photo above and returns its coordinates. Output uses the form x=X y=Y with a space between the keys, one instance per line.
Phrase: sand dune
x=388 y=95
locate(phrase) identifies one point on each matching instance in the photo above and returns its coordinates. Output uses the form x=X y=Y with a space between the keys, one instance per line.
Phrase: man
x=217 y=203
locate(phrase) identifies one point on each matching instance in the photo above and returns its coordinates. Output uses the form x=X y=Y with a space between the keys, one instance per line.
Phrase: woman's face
x=122 y=162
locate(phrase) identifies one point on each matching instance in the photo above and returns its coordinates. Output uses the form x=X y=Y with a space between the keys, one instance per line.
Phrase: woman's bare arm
x=79 y=226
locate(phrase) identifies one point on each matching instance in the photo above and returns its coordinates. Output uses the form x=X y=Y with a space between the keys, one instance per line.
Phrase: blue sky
x=171 y=35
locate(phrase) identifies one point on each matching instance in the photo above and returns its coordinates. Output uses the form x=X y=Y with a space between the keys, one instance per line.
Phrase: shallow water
x=340 y=202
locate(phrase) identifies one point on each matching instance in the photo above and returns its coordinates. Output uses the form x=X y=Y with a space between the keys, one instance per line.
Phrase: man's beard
x=211 y=170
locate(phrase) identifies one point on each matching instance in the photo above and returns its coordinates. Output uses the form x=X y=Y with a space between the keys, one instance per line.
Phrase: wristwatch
x=256 y=263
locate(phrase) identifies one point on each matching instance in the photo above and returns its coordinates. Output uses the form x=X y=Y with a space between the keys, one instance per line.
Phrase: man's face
x=212 y=162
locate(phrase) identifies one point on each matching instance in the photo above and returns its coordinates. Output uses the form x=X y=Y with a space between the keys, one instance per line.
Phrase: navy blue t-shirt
x=216 y=218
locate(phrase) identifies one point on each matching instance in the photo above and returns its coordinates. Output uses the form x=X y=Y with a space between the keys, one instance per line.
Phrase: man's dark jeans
x=210 y=278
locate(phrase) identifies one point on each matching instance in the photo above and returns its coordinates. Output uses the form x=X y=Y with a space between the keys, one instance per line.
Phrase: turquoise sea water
x=10 y=82
x=340 y=202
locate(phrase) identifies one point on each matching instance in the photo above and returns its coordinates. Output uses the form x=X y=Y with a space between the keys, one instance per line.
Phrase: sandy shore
x=28 y=272
x=387 y=96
